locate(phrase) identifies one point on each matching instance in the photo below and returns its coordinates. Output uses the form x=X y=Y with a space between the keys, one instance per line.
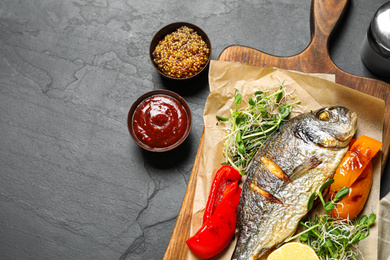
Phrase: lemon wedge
x=293 y=251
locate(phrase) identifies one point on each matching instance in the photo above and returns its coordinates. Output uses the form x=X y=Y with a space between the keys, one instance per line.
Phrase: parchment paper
x=314 y=91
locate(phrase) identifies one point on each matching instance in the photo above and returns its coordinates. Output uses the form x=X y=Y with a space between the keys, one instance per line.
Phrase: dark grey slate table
x=73 y=185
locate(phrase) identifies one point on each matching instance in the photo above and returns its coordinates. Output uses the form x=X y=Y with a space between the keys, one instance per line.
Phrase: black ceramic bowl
x=185 y=127
x=170 y=28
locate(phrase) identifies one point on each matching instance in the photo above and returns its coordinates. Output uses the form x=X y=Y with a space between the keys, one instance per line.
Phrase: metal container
x=376 y=46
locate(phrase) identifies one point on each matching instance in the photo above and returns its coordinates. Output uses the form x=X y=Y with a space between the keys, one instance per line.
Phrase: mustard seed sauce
x=182 y=53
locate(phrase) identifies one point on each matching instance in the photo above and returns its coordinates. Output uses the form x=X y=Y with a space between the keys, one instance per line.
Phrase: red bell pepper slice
x=223 y=177
x=216 y=233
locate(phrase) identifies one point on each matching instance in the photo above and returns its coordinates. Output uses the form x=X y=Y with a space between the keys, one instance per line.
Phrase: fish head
x=330 y=127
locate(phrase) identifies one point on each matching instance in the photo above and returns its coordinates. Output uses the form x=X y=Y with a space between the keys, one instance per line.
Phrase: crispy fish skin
x=307 y=149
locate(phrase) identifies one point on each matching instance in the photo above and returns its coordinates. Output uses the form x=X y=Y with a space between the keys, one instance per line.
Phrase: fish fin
x=307 y=165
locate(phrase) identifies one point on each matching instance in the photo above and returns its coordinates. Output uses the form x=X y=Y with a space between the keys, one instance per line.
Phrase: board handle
x=324 y=16
x=315 y=58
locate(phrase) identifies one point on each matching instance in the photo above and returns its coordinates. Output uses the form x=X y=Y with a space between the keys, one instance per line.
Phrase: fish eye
x=323 y=115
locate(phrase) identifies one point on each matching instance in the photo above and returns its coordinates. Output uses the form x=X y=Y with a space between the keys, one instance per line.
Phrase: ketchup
x=159 y=121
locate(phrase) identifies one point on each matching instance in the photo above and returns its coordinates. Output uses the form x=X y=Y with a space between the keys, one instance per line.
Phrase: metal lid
x=380 y=29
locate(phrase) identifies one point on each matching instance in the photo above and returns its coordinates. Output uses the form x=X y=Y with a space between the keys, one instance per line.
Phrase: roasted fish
x=292 y=164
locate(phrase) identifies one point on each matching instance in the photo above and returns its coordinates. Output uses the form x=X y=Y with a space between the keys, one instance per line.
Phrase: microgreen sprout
x=249 y=127
x=331 y=238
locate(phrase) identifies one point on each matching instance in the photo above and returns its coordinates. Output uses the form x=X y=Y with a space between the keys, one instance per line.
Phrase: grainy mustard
x=181 y=54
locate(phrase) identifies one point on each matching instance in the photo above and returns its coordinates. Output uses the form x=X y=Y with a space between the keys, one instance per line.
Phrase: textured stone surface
x=73 y=185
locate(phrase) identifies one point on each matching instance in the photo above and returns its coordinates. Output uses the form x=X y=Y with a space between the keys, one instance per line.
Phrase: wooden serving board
x=314 y=59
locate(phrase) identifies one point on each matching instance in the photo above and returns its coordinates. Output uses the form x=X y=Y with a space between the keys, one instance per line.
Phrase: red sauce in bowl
x=159 y=121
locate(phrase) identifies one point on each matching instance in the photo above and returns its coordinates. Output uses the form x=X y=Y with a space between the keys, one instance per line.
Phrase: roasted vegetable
x=350 y=206
x=219 y=219
x=355 y=173
x=223 y=177
x=360 y=153
x=216 y=233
